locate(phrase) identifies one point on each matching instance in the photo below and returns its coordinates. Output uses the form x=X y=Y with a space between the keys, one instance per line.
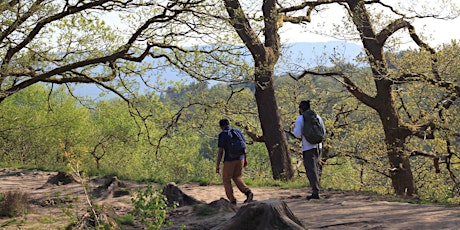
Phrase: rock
x=222 y=205
x=62 y=178
x=110 y=188
x=266 y=215
x=174 y=194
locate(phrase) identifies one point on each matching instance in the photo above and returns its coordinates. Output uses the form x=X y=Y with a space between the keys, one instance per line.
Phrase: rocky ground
x=54 y=204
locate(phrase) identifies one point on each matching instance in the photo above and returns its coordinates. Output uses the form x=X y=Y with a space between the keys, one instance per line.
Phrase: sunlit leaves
x=37 y=131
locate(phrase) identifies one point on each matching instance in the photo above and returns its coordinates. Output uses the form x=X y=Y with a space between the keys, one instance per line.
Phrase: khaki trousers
x=233 y=170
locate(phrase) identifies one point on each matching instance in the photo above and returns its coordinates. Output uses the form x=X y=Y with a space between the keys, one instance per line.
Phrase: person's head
x=304 y=106
x=224 y=123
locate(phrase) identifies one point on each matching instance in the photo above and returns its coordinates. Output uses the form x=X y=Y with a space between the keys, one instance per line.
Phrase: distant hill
x=304 y=54
x=311 y=51
x=313 y=54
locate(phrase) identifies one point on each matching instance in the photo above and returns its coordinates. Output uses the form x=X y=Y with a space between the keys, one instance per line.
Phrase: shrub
x=151 y=208
x=13 y=204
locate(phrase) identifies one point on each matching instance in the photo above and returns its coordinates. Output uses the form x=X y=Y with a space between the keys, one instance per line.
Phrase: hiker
x=311 y=152
x=233 y=167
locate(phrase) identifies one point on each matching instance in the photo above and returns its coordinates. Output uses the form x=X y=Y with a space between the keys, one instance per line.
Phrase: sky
x=440 y=31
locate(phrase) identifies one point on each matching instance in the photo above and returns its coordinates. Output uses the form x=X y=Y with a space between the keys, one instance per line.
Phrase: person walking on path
x=311 y=152
x=233 y=167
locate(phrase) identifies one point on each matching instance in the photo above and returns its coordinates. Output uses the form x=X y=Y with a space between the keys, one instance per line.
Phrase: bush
x=151 y=208
x=13 y=204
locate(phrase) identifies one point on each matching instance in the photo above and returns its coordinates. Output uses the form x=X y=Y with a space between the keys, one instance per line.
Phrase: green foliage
x=8 y=223
x=151 y=208
x=47 y=220
x=125 y=220
x=259 y=167
x=172 y=137
x=37 y=131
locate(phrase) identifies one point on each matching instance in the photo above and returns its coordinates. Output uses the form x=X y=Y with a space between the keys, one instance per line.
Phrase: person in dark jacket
x=233 y=167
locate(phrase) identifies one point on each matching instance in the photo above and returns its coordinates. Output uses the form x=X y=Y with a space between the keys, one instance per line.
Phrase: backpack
x=312 y=129
x=236 y=144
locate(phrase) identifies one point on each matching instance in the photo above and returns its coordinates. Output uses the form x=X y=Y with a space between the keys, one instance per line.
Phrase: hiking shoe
x=249 y=197
x=313 y=196
x=233 y=202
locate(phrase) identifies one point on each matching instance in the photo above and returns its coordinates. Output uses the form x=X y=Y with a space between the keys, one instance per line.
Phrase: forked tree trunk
x=265 y=55
x=383 y=102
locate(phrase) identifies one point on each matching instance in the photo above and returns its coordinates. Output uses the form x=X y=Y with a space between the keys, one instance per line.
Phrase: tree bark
x=272 y=127
x=400 y=168
x=267 y=215
x=265 y=56
x=384 y=103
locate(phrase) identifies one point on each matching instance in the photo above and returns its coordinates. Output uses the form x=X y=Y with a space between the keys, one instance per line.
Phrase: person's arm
x=219 y=159
x=298 y=127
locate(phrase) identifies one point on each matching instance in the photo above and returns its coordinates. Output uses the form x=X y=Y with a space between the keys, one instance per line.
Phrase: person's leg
x=238 y=179
x=227 y=175
x=310 y=162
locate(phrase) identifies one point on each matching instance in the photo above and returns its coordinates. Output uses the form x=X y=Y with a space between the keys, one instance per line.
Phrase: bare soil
x=51 y=209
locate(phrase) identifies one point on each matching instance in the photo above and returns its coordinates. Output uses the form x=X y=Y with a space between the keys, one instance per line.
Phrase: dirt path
x=336 y=209
x=346 y=210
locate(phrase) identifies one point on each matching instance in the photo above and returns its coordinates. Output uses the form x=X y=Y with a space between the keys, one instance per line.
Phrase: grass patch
x=8 y=223
x=202 y=181
x=47 y=220
x=125 y=220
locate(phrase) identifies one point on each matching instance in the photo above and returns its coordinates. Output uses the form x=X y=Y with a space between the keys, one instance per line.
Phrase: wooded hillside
x=391 y=114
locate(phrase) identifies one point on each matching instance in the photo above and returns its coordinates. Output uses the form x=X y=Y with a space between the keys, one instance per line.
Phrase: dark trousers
x=310 y=162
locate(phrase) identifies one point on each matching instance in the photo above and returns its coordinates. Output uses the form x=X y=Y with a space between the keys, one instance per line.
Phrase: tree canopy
x=412 y=94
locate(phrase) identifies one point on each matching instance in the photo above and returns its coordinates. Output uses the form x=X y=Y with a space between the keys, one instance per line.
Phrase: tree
x=265 y=55
x=265 y=51
x=37 y=126
x=63 y=42
x=398 y=122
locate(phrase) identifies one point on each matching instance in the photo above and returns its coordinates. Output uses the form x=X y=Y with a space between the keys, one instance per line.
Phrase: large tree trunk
x=383 y=102
x=272 y=127
x=395 y=138
x=400 y=171
x=395 y=135
x=265 y=55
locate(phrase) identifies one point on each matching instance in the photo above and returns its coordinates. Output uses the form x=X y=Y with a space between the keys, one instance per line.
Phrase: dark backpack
x=236 y=144
x=312 y=129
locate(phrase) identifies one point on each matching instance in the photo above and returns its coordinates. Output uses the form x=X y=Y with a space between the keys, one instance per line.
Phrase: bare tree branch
x=241 y=24
x=347 y=82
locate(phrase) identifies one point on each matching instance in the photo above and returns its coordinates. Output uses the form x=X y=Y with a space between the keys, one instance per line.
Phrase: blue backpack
x=236 y=145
